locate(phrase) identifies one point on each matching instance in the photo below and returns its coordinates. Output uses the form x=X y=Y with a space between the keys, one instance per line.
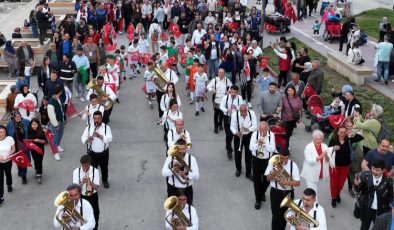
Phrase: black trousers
x=289 y=128
x=173 y=191
x=94 y=201
x=217 y=117
x=238 y=154
x=246 y=91
x=106 y=115
x=43 y=34
x=5 y=168
x=367 y=218
x=282 y=78
x=93 y=68
x=278 y=221
x=229 y=134
x=37 y=161
x=100 y=159
x=342 y=41
x=159 y=94
x=260 y=181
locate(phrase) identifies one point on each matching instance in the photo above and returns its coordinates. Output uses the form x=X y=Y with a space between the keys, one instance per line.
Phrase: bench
x=355 y=73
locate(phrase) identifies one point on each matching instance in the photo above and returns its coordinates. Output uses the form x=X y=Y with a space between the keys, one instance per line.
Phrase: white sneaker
x=82 y=99
x=60 y=149
x=250 y=105
x=57 y=156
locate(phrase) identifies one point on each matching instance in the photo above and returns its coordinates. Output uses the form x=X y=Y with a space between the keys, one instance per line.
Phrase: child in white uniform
x=200 y=79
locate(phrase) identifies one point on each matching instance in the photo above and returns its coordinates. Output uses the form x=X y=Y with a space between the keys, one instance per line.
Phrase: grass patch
x=369 y=20
x=366 y=95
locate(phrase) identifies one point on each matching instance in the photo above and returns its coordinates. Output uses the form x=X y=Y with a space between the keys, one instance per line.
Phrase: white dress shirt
x=295 y=175
x=79 y=174
x=20 y=98
x=376 y=182
x=168 y=119
x=98 y=145
x=87 y=214
x=249 y=122
x=173 y=136
x=197 y=36
x=171 y=76
x=106 y=89
x=194 y=174
x=91 y=109
x=165 y=101
x=269 y=141
x=320 y=216
x=220 y=87
x=227 y=102
x=191 y=215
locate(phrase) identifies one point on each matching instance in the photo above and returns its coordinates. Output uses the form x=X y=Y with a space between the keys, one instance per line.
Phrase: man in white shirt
x=88 y=178
x=110 y=95
x=281 y=187
x=228 y=105
x=91 y=108
x=262 y=145
x=178 y=133
x=181 y=176
x=82 y=206
x=187 y=209
x=243 y=124
x=219 y=87
x=198 y=35
x=97 y=137
x=309 y=205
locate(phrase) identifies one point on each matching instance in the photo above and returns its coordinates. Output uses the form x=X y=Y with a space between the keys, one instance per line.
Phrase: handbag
x=357 y=210
x=296 y=115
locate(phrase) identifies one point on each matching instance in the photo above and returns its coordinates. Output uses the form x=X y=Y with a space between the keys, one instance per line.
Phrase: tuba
x=173 y=151
x=107 y=103
x=158 y=78
x=281 y=173
x=171 y=204
x=68 y=214
x=300 y=217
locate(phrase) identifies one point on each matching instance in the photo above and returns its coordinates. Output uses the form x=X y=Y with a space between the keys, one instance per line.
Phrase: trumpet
x=68 y=215
x=260 y=150
x=183 y=136
x=89 y=189
x=179 y=165
x=281 y=173
x=300 y=217
x=171 y=204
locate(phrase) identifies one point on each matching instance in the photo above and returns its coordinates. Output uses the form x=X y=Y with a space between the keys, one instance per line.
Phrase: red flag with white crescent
x=134 y=56
x=27 y=105
x=175 y=29
x=309 y=91
x=336 y=120
x=163 y=36
x=172 y=60
x=246 y=69
x=112 y=85
x=20 y=159
x=130 y=29
x=182 y=61
x=30 y=145
x=233 y=25
x=145 y=58
x=111 y=48
x=70 y=109
x=49 y=136
x=181 y=49
x=263 y=63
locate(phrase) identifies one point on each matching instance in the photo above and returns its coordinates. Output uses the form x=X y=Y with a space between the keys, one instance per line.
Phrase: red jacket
x=290 y=13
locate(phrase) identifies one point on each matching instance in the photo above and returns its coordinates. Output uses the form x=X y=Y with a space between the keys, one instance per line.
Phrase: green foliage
x=369 y=20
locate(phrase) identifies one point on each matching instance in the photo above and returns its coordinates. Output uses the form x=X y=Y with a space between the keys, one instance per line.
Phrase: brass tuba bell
x=68 y=214
x=300 y=217
x=171 y=204
x=173 y=151
x=106 y=103
x=281 y=173
x=159 y=79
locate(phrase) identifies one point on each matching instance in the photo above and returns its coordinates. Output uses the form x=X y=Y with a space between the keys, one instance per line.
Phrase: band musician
x=262 y=146
x=281 y=187
x=178 y=133
x=180 y=176
x=188 y=210
x=88 y=178
x=81 y=206
x=91 y=108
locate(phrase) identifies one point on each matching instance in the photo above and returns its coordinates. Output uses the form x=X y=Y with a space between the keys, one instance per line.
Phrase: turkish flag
x=134 y=56
x=263 y=62
x=70 y=109
x=270 y=28
x=27 y=105
x=181 y=50
x=112 y=85
x=175 y=29
x=244 y=49
x=172 y=60
x=130 y=29
x=145 y=58
x=233 y=26
x=163 y=36
x=246 y=69
x=20 y=159
x=309 y=91
x=30 y=145
x=49 y=136
x=111 y=48
x=183 y=59
x=221 y=3
x=336 y=120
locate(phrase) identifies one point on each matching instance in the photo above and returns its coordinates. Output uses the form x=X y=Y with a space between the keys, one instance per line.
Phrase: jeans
x=80 y=87
x=57 y=133
x=27 y=81
x=213 y=66
x=383 y=66
x=5 y=169
x=34 y=29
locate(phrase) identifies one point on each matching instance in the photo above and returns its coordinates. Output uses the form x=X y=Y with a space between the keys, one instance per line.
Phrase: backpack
x=385 y=131
x=363 y=38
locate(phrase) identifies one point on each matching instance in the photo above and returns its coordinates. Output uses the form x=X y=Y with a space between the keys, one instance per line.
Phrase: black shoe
x=263 y=198
x=220 y=128
x=216 y=131
x=352 y=194
x=229 y=156
x=334 y=203
x=197 y=113
x=257 y=205
x=386 y=82
x=338 y=199
x=106 y=185
x=124 y=77
x=202 y=109
x=24 y=180
x=249 y=176
x=9 y=188
x=238 y=173
x=377 y=80
x=138 y=72
x=1 y=201
x=117 y=100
